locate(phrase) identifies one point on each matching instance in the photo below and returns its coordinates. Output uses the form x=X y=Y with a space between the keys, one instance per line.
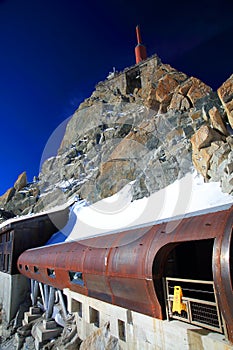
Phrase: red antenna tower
x=140 y=49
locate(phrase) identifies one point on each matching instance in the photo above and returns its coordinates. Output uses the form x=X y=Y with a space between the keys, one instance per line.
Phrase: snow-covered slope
x=187 y=195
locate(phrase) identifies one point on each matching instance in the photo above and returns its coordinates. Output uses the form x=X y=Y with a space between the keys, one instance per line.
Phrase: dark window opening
x=20 y=266
x=77 y=306
x=133 y=80
x=8 y=263
x=190 y=260
x=4 y=262
x=76 y=277
x=121 y=330
x=51 y=273
x=26 y=267
x=94 y=316
x=80 y=308
x=9 y=236
x=36 y=269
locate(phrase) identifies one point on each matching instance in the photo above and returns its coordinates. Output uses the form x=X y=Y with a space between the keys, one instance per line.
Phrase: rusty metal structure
x=140 y=49
x=128 y=268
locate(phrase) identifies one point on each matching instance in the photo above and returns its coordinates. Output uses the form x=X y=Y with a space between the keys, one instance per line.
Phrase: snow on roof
x=32 y=215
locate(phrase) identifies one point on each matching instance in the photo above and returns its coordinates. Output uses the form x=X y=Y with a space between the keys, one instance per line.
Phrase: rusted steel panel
x=223 y=274
x=126 y=268
x=131 y=294
x=98 y=287
x=128 y=259
x=95 y=260
x=75 y=254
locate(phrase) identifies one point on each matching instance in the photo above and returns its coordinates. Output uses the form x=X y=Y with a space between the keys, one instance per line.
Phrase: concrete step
x=47 y=330
x=35 y=310
x=28 y=317
x=49 y=324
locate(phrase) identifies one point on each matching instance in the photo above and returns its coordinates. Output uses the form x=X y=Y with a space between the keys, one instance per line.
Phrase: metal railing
x=199 y=302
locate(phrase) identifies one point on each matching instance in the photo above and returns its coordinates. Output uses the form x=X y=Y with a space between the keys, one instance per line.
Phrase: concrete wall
x=13 y=289
x=141 y=331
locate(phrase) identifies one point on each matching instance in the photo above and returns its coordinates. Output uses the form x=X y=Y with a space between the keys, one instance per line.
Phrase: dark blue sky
x=53 y=52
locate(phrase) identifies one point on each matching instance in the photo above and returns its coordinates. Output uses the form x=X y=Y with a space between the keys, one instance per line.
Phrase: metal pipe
x=36 y=291
x=46 y=295
x=61 y=300
x=42 y=295
x=32 y=292
x=49 y=311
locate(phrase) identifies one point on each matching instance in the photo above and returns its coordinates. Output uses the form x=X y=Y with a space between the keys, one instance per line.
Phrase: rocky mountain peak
x=150 y=124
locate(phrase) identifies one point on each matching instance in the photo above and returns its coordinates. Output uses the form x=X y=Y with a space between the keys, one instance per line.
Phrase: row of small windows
x=76 y=277
x=95 y=319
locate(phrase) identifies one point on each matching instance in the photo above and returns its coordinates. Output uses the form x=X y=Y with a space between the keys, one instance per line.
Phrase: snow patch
x=187 y=195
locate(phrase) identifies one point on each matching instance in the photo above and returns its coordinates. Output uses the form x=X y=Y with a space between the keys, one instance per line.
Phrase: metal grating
x=200 y=301
x=205 y=314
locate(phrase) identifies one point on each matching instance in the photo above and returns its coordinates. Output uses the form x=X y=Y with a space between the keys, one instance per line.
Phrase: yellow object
x=178 y=306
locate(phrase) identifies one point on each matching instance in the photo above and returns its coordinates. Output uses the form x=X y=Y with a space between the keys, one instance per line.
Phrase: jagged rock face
x=225 y=93
x=137 y=126
x=18 y=200
x=212 y=144
x=21 y=182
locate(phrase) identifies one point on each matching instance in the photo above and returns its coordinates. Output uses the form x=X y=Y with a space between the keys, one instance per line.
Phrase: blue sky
x=53 y=52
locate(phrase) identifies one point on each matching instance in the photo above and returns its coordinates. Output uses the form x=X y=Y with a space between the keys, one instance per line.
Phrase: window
x=94 y=316
x=36 y=269
x=26 y=267
x=20 y=266
x=121 y=330
x=77 y=306
x=4 y=262
x=80 y=308
x=51 y=273
x=9 y=235
x=8 y=263
x=133 y=80
x=76 y=278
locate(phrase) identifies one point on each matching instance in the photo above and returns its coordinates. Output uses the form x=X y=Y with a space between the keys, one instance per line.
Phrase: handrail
x=195 y=307
x=189 y=280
